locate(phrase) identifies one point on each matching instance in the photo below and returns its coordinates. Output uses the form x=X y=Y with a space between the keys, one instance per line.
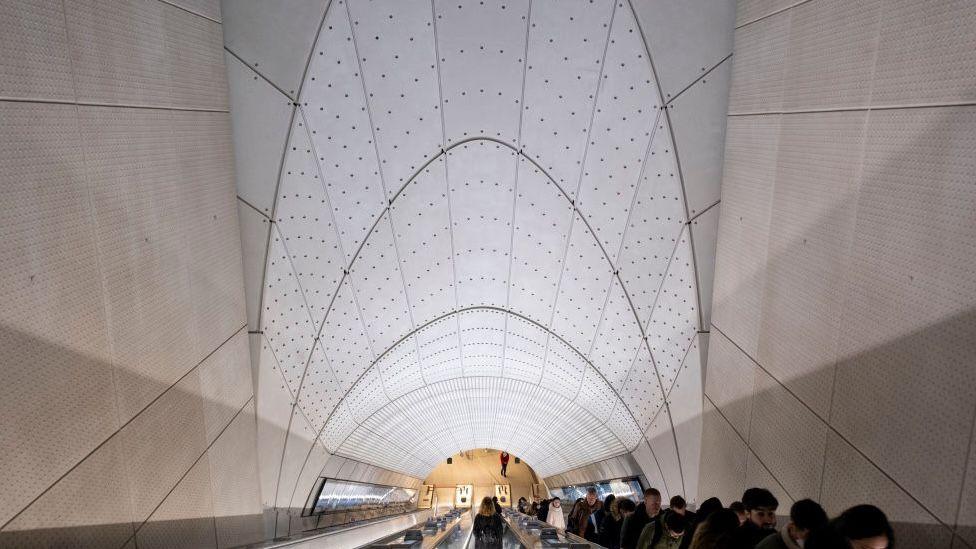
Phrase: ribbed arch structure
x=480 y=238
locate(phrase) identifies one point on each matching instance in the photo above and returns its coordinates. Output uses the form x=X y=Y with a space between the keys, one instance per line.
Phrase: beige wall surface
x=841 y=357
x=128 y=415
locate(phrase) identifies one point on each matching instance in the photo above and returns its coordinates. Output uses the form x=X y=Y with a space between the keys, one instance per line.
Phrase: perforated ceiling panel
x=480 y=234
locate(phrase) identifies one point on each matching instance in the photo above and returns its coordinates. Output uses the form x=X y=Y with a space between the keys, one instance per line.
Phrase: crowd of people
x=621 y=523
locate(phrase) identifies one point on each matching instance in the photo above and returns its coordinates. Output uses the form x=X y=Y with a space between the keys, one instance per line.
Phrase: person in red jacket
x=504 y=460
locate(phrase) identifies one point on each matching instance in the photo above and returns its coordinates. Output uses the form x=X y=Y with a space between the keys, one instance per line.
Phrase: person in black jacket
x=633 y=525
x=619 y=509
x=488 y=527
x=760 y=522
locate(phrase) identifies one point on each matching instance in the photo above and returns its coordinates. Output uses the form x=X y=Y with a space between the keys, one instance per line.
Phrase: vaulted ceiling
x=481 y=234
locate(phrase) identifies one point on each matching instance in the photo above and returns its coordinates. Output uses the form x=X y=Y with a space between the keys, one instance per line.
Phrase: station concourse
x=330 y=273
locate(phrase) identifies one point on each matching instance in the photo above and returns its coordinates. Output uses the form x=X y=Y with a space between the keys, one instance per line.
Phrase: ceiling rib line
x=542 y=170
x=576 y=210
x=379 y=167
x=684 y=196
x=274 y=210
x=447 y=179
x=437 y=383
x=579 y=182
x=517 y=156
x=506 y=311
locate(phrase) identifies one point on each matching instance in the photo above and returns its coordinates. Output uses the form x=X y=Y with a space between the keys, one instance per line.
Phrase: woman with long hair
x=488 y=526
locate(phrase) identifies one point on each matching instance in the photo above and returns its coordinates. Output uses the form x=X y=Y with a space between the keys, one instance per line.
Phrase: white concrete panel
x=255 y=231
x=596 y=395
x=656 y=220
x=401 y=368
x=624 y=122
x=685 y=402
x=273 y=402
x=758 y=474
x=905 y=337
x=748 y=11
x=422 y=225
x=259 y=137
x=758 y=65
x=317 y=458
x=662 y=440
x=730 y=382
x=35 y=45
x=617 y=338
x=337 y=115
x=810 y=232
x=209 y=9
x=542 y=218
x=274 y=38
x=306 y=226
x=924 y=54
x=100 y=481
x=564 y=368
x=704 y=234
x=832 y=52
x=344 y=338
x=208 y=218
x=583 y=289
x=395 y=41
x=440 y=349
x=380 y=288
x=674 y=321
x=172 y=58
x=285 y=320
x=565 y=54
x=648 y=464
x=525 y=348
x=697 y=118
x=642 y=392
x=300 y=438
x=175 y=422
x=850 y=479
x=686 y=38
x=225 y=383
x=482 y=335
x=320 y=391
x=482 y=192
x=747 y=190
x=366 y=396
x=137 y=200
x=236 y=495
x=482 y=60
x=58 y=366
x=788 y=438
x=723 y=458
x=185 y=517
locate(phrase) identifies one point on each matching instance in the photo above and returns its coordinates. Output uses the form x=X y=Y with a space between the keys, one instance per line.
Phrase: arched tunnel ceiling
x=481 y=236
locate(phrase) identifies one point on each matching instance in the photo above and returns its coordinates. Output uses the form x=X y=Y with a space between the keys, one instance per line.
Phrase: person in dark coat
x=620 y=509
x=586 y=515
x=633 y=525
x=498 y=507
x=806 y=517
x=488 y=527
x=760 y=522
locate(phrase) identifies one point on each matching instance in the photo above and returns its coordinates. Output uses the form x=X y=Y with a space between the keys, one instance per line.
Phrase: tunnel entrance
x=466 y=477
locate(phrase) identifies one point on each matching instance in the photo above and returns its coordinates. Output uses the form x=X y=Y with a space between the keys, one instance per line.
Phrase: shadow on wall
x=847 y=301
x=181 y=472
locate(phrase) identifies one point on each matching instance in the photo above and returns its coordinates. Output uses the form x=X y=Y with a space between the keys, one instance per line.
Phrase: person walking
x=504 y=459
x=488 y=526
